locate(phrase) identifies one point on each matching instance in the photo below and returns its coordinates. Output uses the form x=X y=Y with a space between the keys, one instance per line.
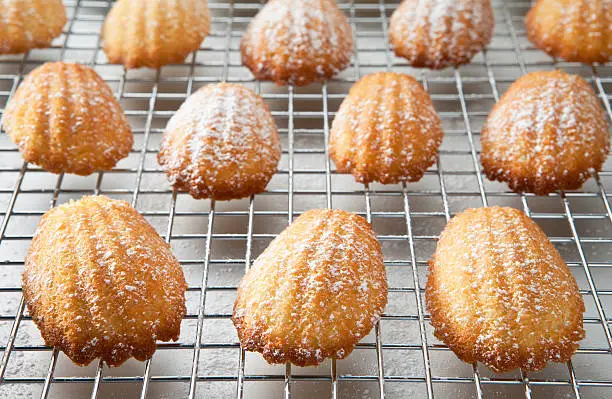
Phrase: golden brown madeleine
x=548 y=132
x=574 y=30
x=500 y=293
x=386 y=130
x=29 y=24
x=100 y=282
x=65 y=118
x=439 y=33
x=154 y=33
x=297 y=42
x=222 y=143
x=315 y=292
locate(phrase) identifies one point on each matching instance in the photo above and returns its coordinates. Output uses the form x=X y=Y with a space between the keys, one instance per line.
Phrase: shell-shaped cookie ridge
x=547 y=132
x=439 y=33
x=500 y=293
x=145 y=33
x=297 y=41
x=29 y=24
x=100 y=282
x=386 y=130
x=573 y=30
x=222 y=143
x=315 y=292
x=65 y=118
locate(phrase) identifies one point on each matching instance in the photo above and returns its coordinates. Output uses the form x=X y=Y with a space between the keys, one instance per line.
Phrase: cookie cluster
x=100 y=282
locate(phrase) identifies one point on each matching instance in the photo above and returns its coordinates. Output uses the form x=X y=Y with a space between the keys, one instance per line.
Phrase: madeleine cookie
x=315 y=292
x=154 y=33
x=100 y=282
x=386 y=130
x=29 y=24
x=439 y=33
x=222 y=143
x=65 y=118
x=297 y=42
x=500 y=293
x=548 y=132
x=573 y=30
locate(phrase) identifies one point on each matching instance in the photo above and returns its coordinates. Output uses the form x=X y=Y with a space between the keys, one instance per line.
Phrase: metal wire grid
x=401 y=358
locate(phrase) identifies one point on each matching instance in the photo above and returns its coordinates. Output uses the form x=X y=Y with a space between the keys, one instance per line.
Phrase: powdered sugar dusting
x=441 y=32
x=222 y=138
x=574 y=30
x=28 y=24
x=154 y=33
x=297 y=41
x=317 y=289
x=548 y=130
x=100 y=282
x=500 y=293
x=64 y=117
x=386 y=130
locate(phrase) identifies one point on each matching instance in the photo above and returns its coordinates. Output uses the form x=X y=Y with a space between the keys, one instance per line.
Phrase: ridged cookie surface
x=100 y=282
x=573 y=30
x=222 y=143
x=316 y=291
x=29 y=24
x=65 y=118
x=386 y=130
x=548 y=132
x=297 y=41
x=154 y=33
x=500 y=293
x=440 y=33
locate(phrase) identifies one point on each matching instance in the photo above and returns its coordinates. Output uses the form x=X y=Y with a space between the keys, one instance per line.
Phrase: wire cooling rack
x=216 y=242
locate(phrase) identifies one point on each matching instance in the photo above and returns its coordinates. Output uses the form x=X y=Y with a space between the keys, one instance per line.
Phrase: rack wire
x=216 y=242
